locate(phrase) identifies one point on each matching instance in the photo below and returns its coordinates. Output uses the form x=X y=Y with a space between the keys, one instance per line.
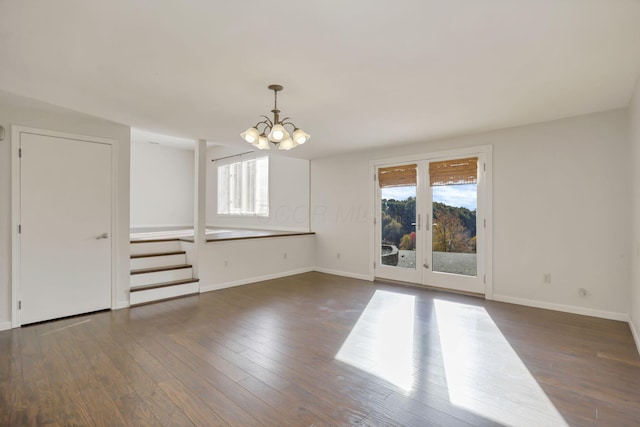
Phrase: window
x=243 y=187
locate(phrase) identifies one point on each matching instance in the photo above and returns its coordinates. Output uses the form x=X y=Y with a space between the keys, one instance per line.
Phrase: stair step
x=161 y=285
x=161 y=268
x=157 y=254
x=144 y=296
x=154 y=247
x=155 y=275
x=157 y=261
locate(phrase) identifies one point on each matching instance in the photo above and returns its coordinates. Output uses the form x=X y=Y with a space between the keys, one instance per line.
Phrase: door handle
x=428 y=220
x=103 y=236
x=425 y=265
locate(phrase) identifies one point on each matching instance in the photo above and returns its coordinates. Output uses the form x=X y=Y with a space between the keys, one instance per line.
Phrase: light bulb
x=287 y=144
x=250 y=135
x=278 y=133
x=263 y=142
x=300 y=136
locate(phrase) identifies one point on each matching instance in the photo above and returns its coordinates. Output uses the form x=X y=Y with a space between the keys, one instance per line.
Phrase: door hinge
x=484 y=279
x=19 y=228
x=374 y=264
x=374 y=220
x=20 y=152
x=374 y=177
x=484 y=222
x=19 y=305
x=484 y=167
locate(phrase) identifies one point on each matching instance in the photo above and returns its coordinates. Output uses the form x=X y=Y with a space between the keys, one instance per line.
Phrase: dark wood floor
x=321 y=350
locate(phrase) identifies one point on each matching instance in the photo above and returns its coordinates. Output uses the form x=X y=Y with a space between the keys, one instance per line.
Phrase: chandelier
x=274 y=131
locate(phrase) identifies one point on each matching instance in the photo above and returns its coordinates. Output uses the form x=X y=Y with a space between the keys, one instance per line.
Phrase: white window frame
x=241 y=211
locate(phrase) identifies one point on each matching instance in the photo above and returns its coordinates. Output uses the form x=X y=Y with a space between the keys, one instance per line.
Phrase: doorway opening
x=432 y=214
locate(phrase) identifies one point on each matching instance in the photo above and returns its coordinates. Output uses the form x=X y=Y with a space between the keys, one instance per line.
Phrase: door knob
x=103 y=236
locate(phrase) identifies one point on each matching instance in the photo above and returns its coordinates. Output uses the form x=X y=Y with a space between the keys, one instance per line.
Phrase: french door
x=430 y=225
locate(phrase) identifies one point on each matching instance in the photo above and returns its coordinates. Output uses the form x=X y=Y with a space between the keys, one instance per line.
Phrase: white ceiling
x=357 y=73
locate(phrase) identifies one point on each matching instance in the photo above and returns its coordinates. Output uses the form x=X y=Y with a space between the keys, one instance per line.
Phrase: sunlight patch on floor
x=484 y=374
x=381 y=342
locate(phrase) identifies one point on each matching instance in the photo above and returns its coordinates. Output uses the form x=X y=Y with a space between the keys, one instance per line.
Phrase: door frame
x=487 y=152
x=16 y=284
x=377 y=264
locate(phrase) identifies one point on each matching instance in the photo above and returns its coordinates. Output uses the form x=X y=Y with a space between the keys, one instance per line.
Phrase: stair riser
x=161 y=276
x=141 y=297
x=158 y=261
x=154 y=247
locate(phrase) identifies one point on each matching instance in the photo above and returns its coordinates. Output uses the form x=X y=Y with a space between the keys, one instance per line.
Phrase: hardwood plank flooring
x=321 y=350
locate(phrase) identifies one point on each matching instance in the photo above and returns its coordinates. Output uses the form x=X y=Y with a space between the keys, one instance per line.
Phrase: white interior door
x=65 y=217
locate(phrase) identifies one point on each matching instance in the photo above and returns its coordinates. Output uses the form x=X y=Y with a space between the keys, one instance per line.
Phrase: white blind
x=243 y=187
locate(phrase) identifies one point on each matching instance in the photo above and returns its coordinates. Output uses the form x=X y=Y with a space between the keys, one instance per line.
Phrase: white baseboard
x=561 y=307
x=5 y=325
x=217 y=286
x=634 y=332
x=344 y=274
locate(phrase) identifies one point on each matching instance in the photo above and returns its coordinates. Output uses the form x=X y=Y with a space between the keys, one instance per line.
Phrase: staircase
x=159 y=271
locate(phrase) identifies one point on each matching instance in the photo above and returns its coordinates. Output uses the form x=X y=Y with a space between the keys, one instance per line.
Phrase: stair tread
x=163 y=268
x=162 y=285
x=149 y=255
x=152 y=240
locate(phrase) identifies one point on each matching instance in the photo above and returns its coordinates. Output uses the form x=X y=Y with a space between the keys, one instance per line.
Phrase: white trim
x=16 y=130
x=434 y=155
x=121 y=304
x=5 y=326
x=585 y=311
x=260 y=227
x=217 y=286
x=634 y=333
x=485 y=152
x=152 y=227
x=368 y=278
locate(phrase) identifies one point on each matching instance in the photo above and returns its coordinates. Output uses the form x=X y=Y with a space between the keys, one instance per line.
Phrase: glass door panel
x=452 y=240
x=454 y=229
x=397 y=224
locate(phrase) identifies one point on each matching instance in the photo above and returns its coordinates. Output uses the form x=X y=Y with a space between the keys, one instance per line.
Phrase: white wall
x=561 y=205
x=237 y=262
x=16 y=110
x=288 y=194
x=634 y=113
x=161 y=185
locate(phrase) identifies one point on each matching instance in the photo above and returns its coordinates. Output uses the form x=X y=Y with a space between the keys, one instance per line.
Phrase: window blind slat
x=452 y=172
x=396 y=176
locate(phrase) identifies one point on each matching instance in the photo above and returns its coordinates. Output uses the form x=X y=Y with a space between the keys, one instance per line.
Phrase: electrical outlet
x=546 y=278
x=338 y=255
x=226 y=263
x=285 y=255
x=582 y=292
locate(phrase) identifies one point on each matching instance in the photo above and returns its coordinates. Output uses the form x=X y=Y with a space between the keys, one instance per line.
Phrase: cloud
x=463 y=196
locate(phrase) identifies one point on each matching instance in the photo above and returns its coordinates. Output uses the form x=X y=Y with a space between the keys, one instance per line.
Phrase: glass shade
x=287 y=144
x=278 y=133
x=300 y=136
x=250 y=135
x=263 y=142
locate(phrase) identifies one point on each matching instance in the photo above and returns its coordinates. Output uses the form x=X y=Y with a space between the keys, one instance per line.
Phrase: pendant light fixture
x=274 y=130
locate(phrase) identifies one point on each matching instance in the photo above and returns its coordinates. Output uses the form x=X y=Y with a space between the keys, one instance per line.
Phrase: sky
x=462 y=196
